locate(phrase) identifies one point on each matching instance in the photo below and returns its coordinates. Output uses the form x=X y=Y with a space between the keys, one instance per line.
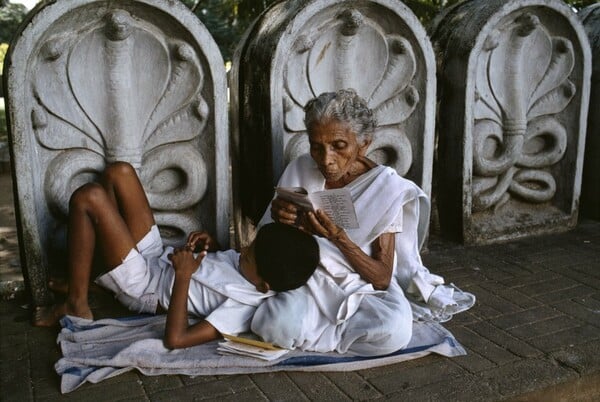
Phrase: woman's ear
x=263 y=287
x=362 y=149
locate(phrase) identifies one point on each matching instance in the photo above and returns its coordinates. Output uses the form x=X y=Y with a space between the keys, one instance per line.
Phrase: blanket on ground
x=96 y=350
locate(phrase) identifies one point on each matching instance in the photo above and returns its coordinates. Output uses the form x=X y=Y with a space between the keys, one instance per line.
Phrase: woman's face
x=335 y=149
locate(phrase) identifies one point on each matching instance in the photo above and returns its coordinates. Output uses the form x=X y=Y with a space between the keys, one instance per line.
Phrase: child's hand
x=184 y=262
x=198 y=241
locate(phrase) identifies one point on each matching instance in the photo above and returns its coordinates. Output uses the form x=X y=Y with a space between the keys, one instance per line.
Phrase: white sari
x=337 y=309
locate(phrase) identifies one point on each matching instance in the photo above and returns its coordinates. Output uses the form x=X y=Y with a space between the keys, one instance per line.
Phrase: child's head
x=285 y=256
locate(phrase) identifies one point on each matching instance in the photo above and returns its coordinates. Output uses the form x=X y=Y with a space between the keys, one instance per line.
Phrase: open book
x=337 y=203
x=245 y=346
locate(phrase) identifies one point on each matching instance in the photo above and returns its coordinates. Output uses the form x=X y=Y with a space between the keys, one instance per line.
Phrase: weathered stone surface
x=278 y=387
x=514 y=90
x=590 y=190
x=298 y=49
x=91 y=82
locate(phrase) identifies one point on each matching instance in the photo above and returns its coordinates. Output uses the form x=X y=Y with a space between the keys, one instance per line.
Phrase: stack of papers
x=241 y=346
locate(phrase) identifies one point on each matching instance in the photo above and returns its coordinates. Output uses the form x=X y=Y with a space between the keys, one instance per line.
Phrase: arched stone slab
x=514 y=89
x=590 y=190
x=299 y=49
x=91 y=82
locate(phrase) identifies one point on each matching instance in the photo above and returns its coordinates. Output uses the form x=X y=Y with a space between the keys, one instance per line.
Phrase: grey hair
x=344 y=106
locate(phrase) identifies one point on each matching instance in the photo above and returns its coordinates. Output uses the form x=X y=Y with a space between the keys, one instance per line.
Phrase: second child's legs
x=114 y=216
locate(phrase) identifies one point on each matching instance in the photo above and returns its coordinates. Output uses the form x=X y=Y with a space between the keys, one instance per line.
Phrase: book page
x=337 y=203
x=250 y=339
x=249 y=345
x=241 y=349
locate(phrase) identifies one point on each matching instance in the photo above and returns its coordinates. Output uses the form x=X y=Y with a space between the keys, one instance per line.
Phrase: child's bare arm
x=178 y=333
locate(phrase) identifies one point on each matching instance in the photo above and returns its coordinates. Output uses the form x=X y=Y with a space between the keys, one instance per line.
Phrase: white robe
x=338 y=310
x=218 y=291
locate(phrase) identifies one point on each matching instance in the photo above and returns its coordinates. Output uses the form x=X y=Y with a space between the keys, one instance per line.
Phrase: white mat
x=96 y=350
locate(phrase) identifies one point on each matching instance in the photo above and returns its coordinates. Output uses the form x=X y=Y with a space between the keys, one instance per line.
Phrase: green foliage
x=3 y=129
x=426 y=10
x=579 y=4
x=3 y=50
x=11 y=16
x=227 y=20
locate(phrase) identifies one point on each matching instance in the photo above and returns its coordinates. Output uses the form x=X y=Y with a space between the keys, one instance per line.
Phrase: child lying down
x=113 y=217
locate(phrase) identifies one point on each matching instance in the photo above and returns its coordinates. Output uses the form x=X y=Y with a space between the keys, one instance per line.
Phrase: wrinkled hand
x=284 y=212
x=184 y=262
x=198 y=241
x=321 y=224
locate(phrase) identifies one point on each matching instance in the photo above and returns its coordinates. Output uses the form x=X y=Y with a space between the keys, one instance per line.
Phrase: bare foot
x=48 y=316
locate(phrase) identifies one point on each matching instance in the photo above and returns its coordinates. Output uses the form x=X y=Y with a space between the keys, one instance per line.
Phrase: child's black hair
x=285 y=256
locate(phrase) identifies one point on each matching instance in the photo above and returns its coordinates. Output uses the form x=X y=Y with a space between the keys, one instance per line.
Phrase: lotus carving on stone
x=522 y=85
x=353 y=51
x=118 y=90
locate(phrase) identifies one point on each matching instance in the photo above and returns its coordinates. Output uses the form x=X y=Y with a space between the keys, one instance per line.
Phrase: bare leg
x=61 y=286
x=93 y=219
x=124 y=189
x=125 y=193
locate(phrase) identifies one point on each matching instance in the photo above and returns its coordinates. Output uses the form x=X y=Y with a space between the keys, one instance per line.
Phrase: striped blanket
x=96 y=350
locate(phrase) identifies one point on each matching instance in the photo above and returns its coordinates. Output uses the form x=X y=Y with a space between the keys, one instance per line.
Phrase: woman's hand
x=376 y=269
x=198 y=241
x=284 y=212
x=320 y=224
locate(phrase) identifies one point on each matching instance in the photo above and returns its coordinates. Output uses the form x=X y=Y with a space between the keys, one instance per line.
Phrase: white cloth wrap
x=336 y=302
x=217 y=291
x=136 y=280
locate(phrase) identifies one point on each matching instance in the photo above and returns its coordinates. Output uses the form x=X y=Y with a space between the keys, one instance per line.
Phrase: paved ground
x=534 y=334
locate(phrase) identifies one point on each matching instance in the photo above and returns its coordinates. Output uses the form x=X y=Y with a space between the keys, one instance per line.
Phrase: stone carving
x=116 y=117
x=525 y=90
x=516 y=135
x=309 y=47
x=322 y=61
x=141 y=82
x=590 y=190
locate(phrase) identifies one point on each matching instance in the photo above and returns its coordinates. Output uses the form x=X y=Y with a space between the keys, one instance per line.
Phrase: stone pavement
x=534 y=334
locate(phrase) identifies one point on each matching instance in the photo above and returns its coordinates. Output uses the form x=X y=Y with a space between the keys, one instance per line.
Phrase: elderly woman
x=355 y=302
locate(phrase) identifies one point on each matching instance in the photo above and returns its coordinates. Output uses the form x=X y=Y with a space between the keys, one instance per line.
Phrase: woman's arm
x=376 y=269
x=178 y=332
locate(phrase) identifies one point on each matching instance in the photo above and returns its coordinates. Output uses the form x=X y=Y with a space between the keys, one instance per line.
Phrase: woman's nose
x=328 y=157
